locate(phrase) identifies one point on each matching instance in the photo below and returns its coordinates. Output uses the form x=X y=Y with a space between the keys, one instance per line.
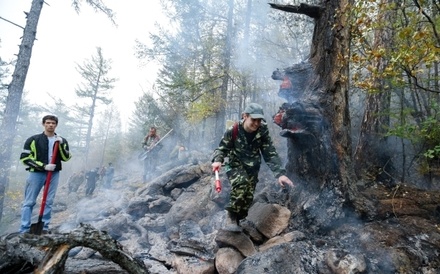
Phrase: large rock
x=161 y=205
x=239 y=241
x=282 y=259
x=187 y=264
x=345 y=262
x=139 y=206
x=269 y=219
x=227 y=260
x=277 y=240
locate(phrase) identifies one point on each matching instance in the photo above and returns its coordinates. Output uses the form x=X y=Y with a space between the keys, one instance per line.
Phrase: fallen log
x=22 y=253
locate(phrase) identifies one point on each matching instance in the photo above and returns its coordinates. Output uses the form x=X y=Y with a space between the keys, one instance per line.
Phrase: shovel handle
x=218 y=184
x=48 y=178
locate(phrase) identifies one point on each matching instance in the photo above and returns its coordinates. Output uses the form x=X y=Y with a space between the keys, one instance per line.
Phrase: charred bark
x=402 y=201
x=320 y=146
x=309 y=10
x=23 y=253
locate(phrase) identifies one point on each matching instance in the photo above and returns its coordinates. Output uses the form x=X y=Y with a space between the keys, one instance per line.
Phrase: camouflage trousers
x=243 y=186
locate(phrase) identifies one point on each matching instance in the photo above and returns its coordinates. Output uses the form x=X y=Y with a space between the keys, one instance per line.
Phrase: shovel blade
x=37 y=228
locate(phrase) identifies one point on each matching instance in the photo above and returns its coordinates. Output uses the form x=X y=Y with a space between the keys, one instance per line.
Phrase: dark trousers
x=90 y=187
x=149 y=167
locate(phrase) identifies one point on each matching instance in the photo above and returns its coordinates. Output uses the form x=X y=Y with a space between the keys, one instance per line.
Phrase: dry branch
x=48 y=253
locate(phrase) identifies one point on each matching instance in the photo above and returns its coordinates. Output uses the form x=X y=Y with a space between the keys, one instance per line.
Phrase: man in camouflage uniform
x=151 y=147
x=75 y=181
x=244 y=149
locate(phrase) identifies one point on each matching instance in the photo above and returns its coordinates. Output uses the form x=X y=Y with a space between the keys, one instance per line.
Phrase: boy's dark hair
x=50 y=117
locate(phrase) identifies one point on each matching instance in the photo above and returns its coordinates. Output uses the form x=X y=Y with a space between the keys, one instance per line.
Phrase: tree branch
x=309 y=10
x=57 y=247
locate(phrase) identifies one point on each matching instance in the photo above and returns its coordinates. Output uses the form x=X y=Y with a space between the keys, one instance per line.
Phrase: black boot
x=232 y=222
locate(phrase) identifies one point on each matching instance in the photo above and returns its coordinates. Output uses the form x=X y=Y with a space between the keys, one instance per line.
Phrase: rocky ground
x=174 y=225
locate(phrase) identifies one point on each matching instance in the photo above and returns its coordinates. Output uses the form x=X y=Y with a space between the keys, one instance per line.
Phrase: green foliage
x=206 y=69
x=147 y=112
x=395 y=51
x=415 y=43
x=432 y=153
x=425 y=135
x=430 y=136
x=94 y=89
x=96 y=83
x=405 y=131
x=5 y=73
x=426 y=132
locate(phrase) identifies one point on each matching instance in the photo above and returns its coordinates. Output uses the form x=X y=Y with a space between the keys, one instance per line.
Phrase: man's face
x=50 y=125
x=250 y=124
x=152 y=131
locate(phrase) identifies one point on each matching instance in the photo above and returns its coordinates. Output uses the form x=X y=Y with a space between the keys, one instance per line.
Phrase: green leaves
x=432 y=153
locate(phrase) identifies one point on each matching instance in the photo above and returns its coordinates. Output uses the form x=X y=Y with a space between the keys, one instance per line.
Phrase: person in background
x=151 y=147
x=37 y=155
x=178 y=152
x=101 y=173
x=75 y=181
x=179 y=155
x=109 y=172
x=92 y=177
x=244 y=151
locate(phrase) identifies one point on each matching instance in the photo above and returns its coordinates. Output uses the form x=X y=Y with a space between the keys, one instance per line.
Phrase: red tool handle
x=218 y=184
x=48 y=178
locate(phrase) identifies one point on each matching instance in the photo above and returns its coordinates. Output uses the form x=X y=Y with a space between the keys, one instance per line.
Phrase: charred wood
x=309 y=10
x=48 y=253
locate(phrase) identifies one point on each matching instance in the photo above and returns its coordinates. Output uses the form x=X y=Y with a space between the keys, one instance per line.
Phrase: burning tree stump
x=22 y=253
x=316 y=122
x=316 y=118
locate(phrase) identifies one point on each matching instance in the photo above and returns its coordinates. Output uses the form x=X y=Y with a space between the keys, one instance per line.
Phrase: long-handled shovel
x=37 y=228
x=144 y=154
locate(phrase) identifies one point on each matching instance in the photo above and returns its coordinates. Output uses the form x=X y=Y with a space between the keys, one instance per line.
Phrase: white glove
x=50 y=167
x=59 y=139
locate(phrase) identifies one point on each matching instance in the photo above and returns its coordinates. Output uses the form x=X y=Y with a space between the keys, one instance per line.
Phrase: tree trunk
x=319 y=146
x=372 y=157
x=15 y=92
x=220 y=121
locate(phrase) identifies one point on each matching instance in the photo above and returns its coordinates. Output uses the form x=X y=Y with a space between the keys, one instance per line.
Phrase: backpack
x=234 y=131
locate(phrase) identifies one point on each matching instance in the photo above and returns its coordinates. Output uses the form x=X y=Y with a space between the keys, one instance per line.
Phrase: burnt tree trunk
x=318 y=124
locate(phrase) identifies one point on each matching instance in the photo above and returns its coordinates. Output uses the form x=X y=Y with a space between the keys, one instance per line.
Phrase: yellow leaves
x=204 y=107
x=405 y=33
x=356 y=58
x=388 y=69
x=367 y=85
x=379 y=53
x=419 y=35
x=371 y=69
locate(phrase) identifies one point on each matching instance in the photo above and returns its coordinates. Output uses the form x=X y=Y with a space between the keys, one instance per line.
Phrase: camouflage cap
x=255 y=111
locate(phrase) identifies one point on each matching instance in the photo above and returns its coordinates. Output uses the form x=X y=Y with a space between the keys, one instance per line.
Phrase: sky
x=65 y=39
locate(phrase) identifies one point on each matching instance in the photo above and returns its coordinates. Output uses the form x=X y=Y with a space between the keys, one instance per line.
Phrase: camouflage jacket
x=150 y=142
x=248 y=155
